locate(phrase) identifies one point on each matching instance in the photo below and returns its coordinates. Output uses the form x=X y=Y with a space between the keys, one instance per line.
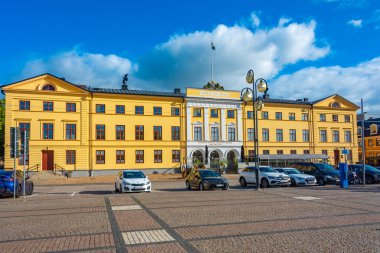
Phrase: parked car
x=372 y=175
x=268 y=177
x=202 y=179
x=297 y=177
x=323 y=172
x=132 y=181
x=7 y=183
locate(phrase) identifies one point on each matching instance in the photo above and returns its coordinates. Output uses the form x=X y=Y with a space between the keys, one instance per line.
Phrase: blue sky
x=304 y=48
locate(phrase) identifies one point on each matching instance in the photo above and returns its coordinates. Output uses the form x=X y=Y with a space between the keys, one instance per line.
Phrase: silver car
x=268 y=177
x=298 y=178
x=132 y=181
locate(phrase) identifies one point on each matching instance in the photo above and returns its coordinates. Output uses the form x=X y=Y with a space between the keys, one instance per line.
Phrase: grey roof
x=286 y=101
x=136 y=92
x=292 y=157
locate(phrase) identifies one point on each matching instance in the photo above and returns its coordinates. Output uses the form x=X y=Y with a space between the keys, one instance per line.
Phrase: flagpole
x=212 y=65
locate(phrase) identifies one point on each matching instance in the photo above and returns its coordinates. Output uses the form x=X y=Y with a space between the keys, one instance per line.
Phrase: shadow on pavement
x=96 y=192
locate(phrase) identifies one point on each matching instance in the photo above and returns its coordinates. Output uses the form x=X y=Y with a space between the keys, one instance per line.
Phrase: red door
x=47 y=159
x=336 y=157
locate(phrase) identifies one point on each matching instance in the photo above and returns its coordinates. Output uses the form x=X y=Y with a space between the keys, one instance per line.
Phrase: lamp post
x=250 y=95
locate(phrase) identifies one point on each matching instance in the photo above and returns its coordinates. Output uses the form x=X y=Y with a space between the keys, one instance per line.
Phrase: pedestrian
x=183 y=170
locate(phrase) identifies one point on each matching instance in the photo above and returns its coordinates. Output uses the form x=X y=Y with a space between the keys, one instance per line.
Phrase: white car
x=297 y=177
x=132 y=181
x=268 y=177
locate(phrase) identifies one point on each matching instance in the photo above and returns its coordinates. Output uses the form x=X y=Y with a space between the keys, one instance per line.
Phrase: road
x=92 y=218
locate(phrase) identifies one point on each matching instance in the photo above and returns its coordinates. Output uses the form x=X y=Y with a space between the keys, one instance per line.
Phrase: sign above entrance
x=213 y=94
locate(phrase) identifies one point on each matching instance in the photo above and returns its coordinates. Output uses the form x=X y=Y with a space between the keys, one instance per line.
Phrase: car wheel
x=264 y=183
x=226 y=188
x=188 y=186
x=121 y=189
x=18 y=191
x=369 y=180
x=201 y=187
x=321 y=182
x=116 y=190
x=31 y=189
x=293 y=183
x=357 y=181
x=243 y=183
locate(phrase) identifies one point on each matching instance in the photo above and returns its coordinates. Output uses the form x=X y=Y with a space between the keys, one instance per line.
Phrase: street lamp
x=250 y=95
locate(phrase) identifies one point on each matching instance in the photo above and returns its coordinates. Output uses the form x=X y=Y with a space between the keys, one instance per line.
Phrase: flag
x=212 y=46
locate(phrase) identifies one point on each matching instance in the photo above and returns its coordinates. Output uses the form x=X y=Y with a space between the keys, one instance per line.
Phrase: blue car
x=7 y=184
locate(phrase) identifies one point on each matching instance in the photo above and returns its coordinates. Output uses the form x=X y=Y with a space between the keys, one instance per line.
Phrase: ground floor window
x=175 y=156
x=100 y=156
x=139 y=156
x=158 y=156
x=70 y=156
x=120 y=156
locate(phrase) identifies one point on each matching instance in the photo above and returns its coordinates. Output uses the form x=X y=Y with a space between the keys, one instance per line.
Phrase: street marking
x=124 y=208
x=73 y=194
x=148 y=236
x=306 y=198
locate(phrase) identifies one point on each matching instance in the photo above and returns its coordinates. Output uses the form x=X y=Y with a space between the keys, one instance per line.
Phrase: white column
x=239 y=125
x=188 y=123
x=223 y=124
x=206 y=124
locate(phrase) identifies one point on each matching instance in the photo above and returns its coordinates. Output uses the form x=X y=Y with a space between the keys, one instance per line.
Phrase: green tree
x=2 y=127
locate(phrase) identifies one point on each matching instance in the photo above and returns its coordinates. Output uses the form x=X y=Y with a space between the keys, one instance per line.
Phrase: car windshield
x=324 y=167
x=133 y=174
x=367 y=167
x=267 y=169
x=209 y=173
x=292 y=171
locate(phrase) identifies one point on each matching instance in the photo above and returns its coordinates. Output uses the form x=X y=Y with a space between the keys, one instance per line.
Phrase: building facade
x=371 y=141
x=80 y=129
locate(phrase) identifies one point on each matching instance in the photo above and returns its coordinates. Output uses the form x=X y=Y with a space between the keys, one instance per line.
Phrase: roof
x=319 y=100
x=286 y=101
x=293 y=157
x=136 y=92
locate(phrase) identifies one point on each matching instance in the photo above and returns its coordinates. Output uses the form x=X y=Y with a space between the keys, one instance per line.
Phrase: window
x=292 y=116
x=70 y=156
x=120 y=132
x=264 y=115
x=323 y=135
x=139 y=156
x=370 y=143
x=250 y=115
x=279 y=115
x=335 y=135
x=335 y=105
x=214 y=133
x=157 y=133
x=265 y=152
x=230 y=114
x=292 y=135
x=231 y=134
x=197 y=133
x=120 y=156
x=251 y=155
x=377 y=142
x=197 y=112
x=24 y=105
x=324 y=152
x=251 y=134
x=305 y=135
x=265 y=134
x=100 y=108
x=305 y=116
x=347 y=118
x=322 y=117
x=335 y=118
x=139 y=132
x=214 y=113
x=24 y=127
x=48 y=131
x=175 y=156
x=48 y=106
x=306 y=152
x=158 y=156
x=48 y=87
x=279 y=135
x=293 y=152
x=100 y=132
x=120 y=109
x=175 y=111
x=157 y=110
x=71 y=131
x=347 y=136
x=175 y=133
x=139 y=110
x=280 y=152
x=71 y=107
x=100 y=156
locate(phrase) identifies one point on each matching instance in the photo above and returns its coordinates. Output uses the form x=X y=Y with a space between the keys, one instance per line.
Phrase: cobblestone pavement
x=91 y=218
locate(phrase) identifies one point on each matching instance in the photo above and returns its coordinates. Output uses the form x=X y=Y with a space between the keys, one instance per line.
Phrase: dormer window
x=48 y=87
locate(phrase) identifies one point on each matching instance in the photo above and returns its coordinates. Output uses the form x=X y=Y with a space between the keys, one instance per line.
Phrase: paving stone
x=147 y=236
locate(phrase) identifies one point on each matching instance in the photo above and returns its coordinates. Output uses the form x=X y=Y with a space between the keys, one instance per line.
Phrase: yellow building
x=98 y=130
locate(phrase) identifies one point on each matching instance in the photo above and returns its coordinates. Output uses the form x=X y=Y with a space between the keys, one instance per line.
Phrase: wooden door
x=47 y=159
x=336 y=157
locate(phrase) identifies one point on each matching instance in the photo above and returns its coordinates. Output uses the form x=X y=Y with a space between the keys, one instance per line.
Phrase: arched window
x=335 y=105
x=48 y=87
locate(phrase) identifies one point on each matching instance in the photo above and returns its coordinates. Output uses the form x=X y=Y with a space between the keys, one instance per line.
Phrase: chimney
x=306 y=99
x=124 y=86
x=177 y=91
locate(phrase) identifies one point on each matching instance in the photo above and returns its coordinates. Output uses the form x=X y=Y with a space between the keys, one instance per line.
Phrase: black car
x=206 y=179
x=372 y=175
x=323 y=172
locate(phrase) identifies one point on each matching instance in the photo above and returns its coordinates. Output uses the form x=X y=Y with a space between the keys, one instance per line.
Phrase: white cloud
x=255 y=20
x=346 y=3
x=353 y=83
x=82 y=68
x=355 y=22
